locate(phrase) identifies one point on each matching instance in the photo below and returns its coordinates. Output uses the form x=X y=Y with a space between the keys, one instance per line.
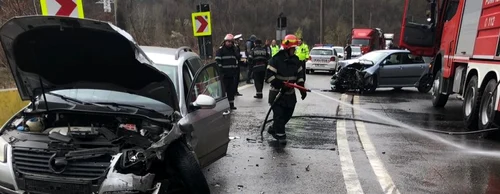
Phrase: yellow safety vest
x=274 y=49
x=302 y=52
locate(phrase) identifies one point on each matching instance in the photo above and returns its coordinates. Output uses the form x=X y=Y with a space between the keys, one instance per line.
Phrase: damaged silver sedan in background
x=101 y=118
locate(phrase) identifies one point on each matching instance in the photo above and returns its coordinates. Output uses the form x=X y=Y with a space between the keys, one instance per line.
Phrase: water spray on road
x=417 y=130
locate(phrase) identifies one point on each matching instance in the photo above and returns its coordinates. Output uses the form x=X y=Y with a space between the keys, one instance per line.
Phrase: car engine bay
x=73 y=152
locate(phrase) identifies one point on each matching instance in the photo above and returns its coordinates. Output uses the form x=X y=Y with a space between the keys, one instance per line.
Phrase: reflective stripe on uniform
x=259 y=92
x=272 y=69
x=300 y=69
x=260 y=58
x=231 y=101
x=258 y=65
x=290 y=78
x=217 y=57
x=270 y=79
x=229 y=66
x=300 y=80
x=228 y=57
x=289 y=92
x=280 y=134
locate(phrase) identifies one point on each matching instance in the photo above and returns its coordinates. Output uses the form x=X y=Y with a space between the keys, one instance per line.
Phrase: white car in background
x=340 y=51
x=322 y=59
x=355 y=52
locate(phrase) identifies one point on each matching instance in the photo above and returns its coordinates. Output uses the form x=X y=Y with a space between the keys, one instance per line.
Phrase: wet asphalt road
x=345 y=156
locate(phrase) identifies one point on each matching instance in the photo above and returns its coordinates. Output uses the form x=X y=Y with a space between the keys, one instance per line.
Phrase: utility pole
x=353 y=14
x=116 y=8
x=321 y=21
x=370 y=19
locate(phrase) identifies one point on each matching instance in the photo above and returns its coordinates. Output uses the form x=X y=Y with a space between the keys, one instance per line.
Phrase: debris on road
x=216 y=185
x=240 y=186
x=307 y=168
x=235 y=137
x=383 y=152
x=261 y=158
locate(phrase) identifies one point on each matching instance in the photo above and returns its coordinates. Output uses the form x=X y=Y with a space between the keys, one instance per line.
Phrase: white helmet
x=229 y=37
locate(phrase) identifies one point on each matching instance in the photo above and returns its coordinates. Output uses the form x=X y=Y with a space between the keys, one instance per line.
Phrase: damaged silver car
x=101 y=120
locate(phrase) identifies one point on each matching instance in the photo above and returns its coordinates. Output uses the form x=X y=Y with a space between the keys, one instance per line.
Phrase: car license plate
x=321 y=61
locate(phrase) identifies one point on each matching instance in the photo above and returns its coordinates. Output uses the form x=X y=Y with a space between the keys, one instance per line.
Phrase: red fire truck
x=463 y=38
x=368 y=39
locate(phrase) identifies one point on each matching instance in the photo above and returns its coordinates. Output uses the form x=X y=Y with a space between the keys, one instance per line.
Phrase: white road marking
x=351 y=179
x=244 y=86
x=383 y=176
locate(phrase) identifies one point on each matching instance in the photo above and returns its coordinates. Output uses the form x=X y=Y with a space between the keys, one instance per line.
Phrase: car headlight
x=3 y=150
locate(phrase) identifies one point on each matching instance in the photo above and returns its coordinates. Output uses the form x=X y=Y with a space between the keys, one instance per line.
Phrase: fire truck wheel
x=438 y=99
x=487 y=105
x=470 y=106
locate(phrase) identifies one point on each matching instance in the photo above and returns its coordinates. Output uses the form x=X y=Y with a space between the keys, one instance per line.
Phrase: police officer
x=302 y=52
x=259 y=57
x=227 y=59
x=274 y=48
x=284 y=66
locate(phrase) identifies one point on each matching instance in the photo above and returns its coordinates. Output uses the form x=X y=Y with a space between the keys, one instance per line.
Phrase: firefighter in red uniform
x=285 y=66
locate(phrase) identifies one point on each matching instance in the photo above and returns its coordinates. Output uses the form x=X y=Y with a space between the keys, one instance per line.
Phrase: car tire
x=425 y=84
x=308 y=71
x=186 y=166
x=470 y=104
x=374 y=84
x=312 y=71
x=438 y=99
x=487 y=109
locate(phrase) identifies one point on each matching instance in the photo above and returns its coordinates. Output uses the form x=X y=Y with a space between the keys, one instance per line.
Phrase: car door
x=211 y=126
x=390 y=71
x=413 y=68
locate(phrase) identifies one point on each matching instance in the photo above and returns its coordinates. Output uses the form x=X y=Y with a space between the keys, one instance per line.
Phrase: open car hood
x=71 y=53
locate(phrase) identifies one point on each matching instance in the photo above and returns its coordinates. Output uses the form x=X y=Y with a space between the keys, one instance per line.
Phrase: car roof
x=321 y=47
x=165 y=55
x=390 y=51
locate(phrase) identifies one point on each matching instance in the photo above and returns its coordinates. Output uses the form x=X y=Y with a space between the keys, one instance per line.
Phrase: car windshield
x=375 y=57
x=357 y=41
x=356 y=49
x=171 y=71
x=339 y=50
x=105 y=96
x=321 y=52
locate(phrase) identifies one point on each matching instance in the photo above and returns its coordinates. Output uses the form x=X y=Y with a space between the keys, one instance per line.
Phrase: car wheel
x=438 y=99
x=187 y=168
x=470 y=104
x=308 y=71
x=312 y=71
x=425 y=84
x=487 y=105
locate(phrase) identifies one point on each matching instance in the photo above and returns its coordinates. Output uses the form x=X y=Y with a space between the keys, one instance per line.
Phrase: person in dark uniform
x=248 y=47
x=237 y=40
x=259 y=57
x=285 y=66
x=348 y=51
x=227 y=59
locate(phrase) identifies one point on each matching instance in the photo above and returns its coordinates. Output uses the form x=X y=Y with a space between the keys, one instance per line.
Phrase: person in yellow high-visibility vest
x=274 y=48
x=302 y=52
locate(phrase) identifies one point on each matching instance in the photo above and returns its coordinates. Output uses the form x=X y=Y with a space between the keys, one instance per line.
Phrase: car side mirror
x=385 y=62
x=204 y=102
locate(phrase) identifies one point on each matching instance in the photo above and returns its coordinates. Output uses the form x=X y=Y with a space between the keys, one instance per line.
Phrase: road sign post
x=70 y=8
x=281 y=31
x=202 y=28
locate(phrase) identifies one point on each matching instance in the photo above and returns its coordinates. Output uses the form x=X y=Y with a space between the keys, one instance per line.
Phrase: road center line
x=351 y=179
x=383 y=176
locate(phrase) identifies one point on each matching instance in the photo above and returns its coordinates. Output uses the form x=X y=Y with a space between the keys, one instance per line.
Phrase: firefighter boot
x=258 y=96
x=271 y=131
x=281 y=138
x=231 y=105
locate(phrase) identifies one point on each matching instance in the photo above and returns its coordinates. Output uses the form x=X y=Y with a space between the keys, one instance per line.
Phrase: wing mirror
x=385 y=62
x=204 y=102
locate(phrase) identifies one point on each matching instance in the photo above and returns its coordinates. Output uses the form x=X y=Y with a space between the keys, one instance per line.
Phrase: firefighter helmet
x=228 y=37
x=289 y=41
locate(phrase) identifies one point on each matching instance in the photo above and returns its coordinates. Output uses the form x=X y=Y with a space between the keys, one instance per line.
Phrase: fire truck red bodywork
x=464 y=40
x=368 y=39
